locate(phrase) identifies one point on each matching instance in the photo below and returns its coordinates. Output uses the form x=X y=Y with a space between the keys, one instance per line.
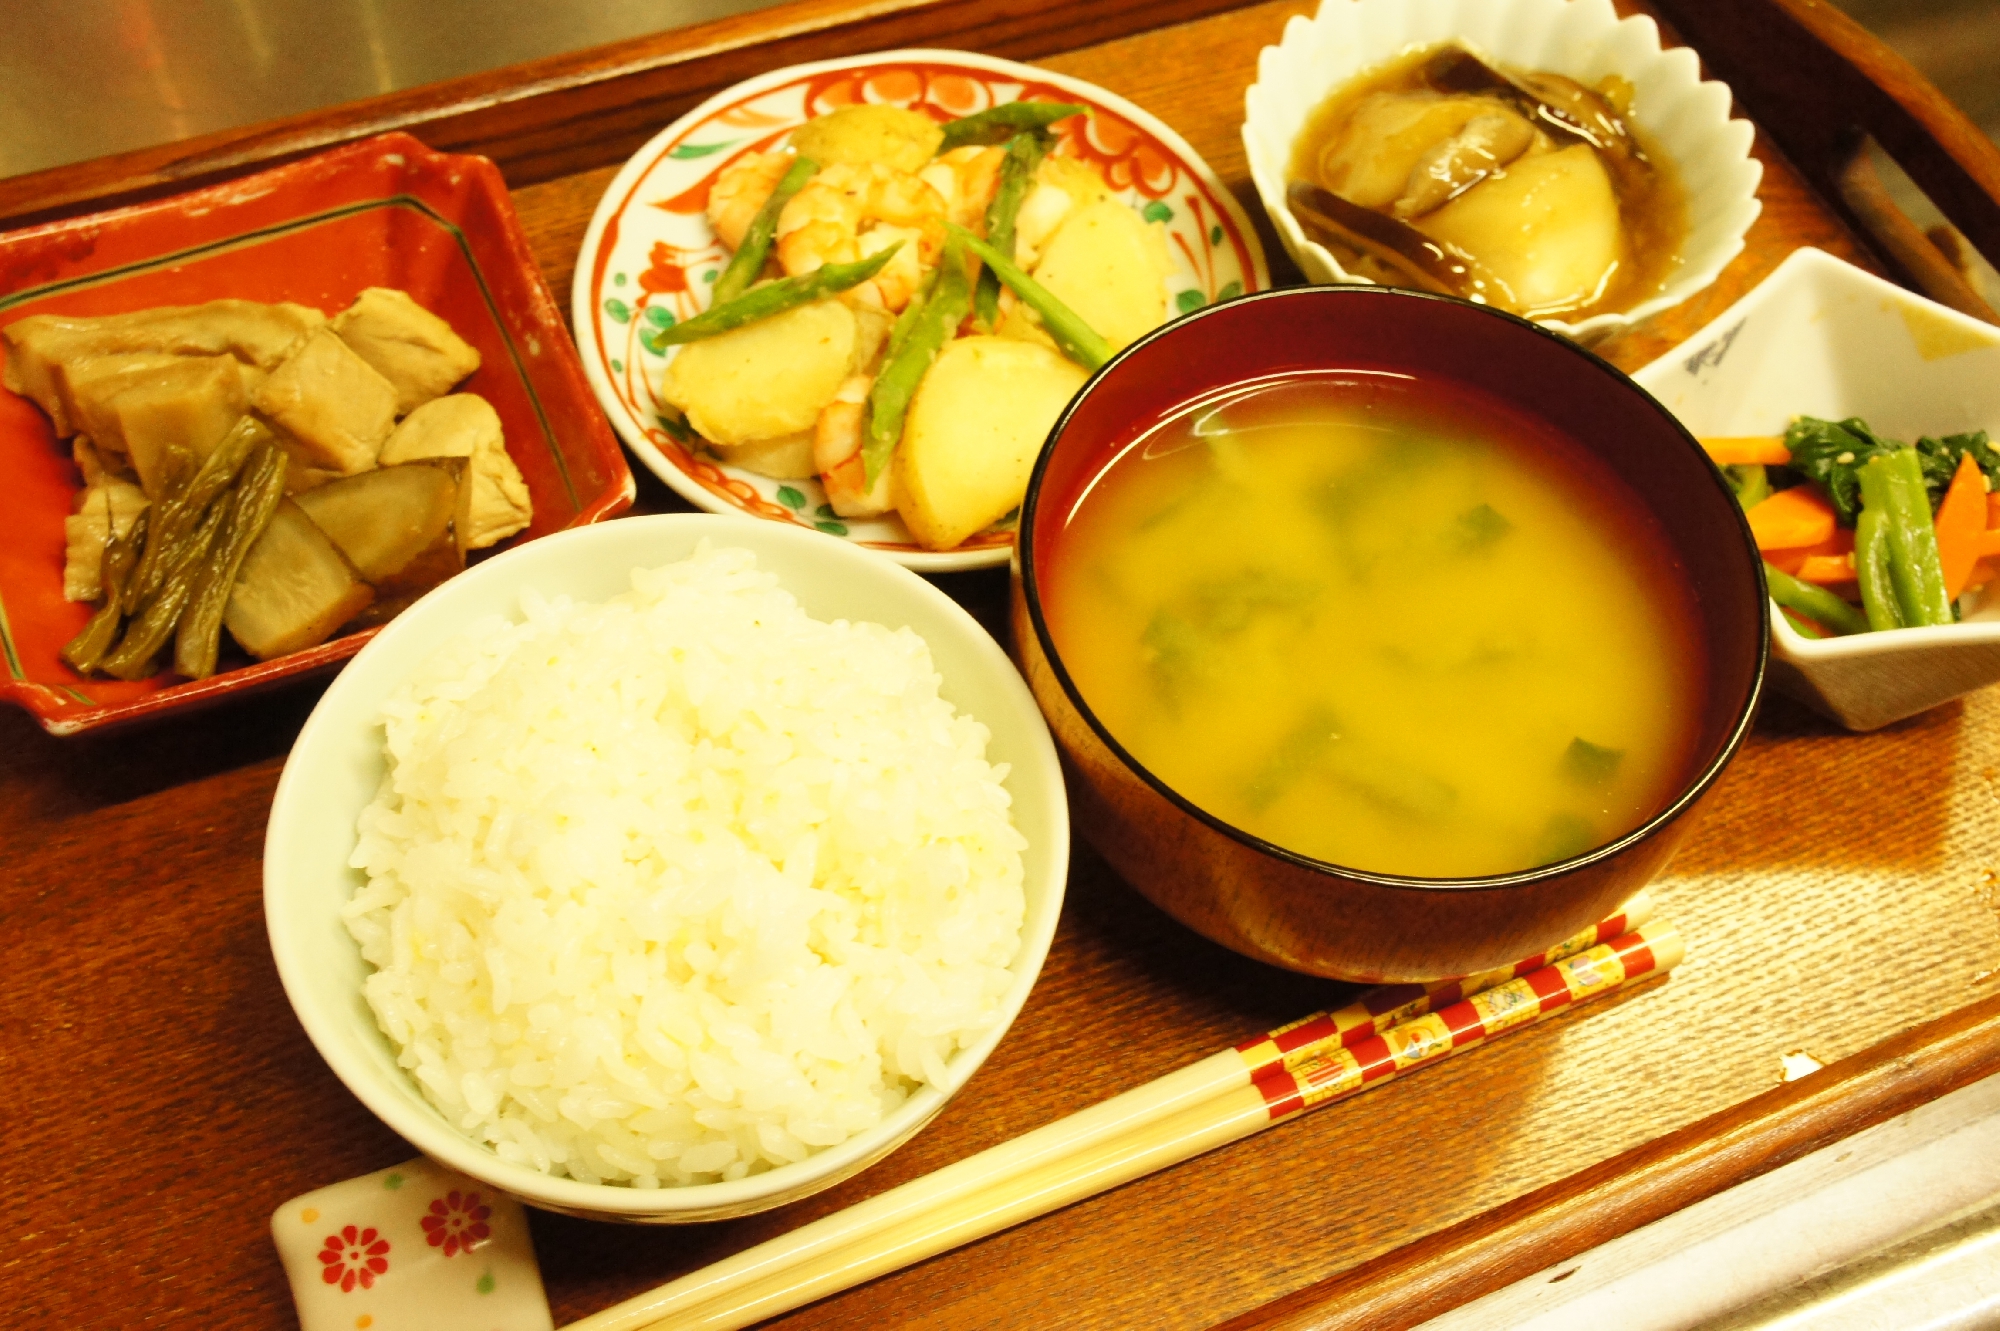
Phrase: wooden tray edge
x=1570 y=1216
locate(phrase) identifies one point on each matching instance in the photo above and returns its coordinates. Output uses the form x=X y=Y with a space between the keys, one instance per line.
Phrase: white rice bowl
x=685 y=886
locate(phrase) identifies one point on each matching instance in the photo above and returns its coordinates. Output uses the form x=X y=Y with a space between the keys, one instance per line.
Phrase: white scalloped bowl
x=1683 y=117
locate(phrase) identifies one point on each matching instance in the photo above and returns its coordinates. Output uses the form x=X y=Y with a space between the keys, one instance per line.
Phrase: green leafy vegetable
x=1591 y=765
x=1831 y=453
x=1939 y=459
x=1477 y=529
x=1750 y=482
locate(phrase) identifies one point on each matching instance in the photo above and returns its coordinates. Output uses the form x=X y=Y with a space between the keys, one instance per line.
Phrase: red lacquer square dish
x=386 y=212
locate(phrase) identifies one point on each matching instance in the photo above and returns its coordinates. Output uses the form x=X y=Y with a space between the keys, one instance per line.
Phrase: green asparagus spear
x=1017 y=177
x=150 y=628
x=1078 y=340
x=1815 y=603
x=777 y=297
x=1871 y=570
x=923 y=337
x=748 y=261
x=256 y=498
x=996 y=124
x=1892 y=483
x=87 y=648
x=180 y=509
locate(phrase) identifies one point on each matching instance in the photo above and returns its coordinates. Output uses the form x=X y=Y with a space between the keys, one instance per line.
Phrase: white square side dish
x=1820 y=337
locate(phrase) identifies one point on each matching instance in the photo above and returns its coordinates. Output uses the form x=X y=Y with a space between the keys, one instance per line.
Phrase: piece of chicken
x=412 y=348
x=253 y=333
x=493 y=497
x=335 y=404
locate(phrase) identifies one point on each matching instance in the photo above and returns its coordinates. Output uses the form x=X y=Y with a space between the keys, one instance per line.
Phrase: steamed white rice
x=686 y=885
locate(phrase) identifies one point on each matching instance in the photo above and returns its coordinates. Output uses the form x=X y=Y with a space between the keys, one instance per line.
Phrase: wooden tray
x=1843 y=898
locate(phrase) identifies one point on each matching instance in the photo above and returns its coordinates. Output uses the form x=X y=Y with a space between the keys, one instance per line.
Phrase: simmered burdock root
x=38 y=346
x=294 y=589
x=417 y=352
x=493 y=498
x=332 y=402
x=143 y=406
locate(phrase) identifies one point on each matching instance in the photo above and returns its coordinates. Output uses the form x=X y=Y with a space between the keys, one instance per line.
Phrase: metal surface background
x=82 y=78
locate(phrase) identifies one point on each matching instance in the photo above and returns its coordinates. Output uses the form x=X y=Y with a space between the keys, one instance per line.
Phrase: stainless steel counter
x=81 y=78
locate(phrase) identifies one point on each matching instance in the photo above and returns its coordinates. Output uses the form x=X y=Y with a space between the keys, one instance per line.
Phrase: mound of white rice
x=686 y=885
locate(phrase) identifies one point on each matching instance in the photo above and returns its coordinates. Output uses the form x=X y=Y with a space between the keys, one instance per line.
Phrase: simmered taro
x=1523 y=190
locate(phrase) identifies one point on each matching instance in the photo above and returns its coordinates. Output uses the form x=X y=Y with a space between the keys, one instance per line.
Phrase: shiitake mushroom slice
x=1559 y=104
x=1416 y=259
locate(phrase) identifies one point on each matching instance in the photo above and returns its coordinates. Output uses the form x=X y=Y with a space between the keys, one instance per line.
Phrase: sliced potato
x=973 y=431
x=766 y=379
x=1111 y=268
x=787 y=458
x=1546 y=229
x=294 y=589
x=859 y=135
x=394 y=525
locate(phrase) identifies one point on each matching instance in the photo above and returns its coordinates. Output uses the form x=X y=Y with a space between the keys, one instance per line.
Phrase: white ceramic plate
x=650 y=254
x=1685 y=117
x=1822 y=338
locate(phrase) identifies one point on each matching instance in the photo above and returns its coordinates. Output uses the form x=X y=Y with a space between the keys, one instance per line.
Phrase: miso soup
x=1398 y=626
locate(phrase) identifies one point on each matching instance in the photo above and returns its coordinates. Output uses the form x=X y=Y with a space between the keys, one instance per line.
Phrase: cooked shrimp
x=847 y=212
x=966 y=178
x=740 y=189
x=1042 y=211
x=837 y=453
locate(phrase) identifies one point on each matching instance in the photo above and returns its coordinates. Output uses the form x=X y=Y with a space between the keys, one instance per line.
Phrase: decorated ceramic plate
x=650 y=255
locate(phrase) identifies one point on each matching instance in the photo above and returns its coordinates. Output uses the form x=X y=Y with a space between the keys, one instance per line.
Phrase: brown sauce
x=1558 y=253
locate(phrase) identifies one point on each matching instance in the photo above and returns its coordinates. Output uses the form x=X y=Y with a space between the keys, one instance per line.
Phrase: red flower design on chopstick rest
x=457 y=1222
x=353 y=1257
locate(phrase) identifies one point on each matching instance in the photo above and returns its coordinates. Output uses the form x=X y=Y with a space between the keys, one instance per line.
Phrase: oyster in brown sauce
x=1524 y=190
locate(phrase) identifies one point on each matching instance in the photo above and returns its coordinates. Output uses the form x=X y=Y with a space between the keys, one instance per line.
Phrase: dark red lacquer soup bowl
x=1313 y=915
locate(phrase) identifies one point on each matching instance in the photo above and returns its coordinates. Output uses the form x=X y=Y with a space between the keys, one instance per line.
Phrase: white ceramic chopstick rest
x=414 y=1248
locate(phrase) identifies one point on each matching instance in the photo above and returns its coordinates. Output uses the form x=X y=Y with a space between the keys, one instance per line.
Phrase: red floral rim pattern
x=1128 y=155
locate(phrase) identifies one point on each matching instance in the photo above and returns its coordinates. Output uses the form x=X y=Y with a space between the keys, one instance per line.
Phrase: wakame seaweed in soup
x=1398 y=626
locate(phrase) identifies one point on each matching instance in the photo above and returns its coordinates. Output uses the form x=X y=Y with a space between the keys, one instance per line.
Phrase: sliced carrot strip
x=1826 y=570
x=1993 y=509
x=1985 y=571
x=1989 y=542
x=1742 y=450
x=1961 y=520
x=1791 y=518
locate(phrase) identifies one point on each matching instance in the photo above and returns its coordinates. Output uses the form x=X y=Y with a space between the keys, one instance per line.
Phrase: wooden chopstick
x=1218 y=1100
